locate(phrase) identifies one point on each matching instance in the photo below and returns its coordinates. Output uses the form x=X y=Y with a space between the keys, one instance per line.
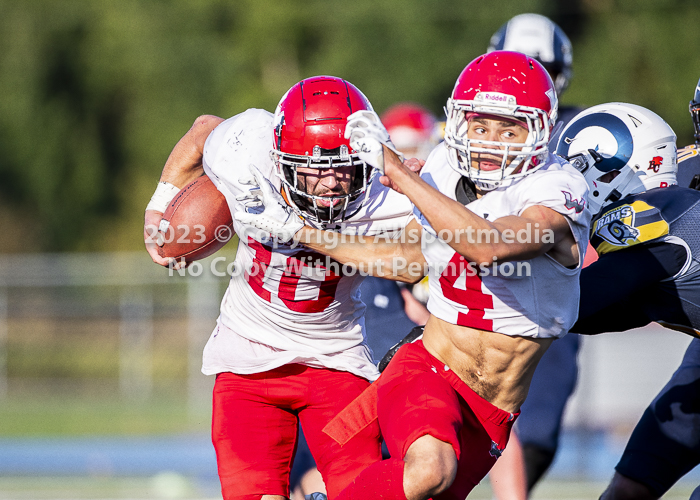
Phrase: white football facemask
x=517 y=159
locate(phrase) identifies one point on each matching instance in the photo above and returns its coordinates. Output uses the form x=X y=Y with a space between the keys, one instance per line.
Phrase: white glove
x=277 y=218
x=367 y=134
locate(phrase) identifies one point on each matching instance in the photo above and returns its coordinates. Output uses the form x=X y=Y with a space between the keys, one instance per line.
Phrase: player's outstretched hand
x=152 y=238
x=413 y=164
x=276 y=217
x=367 y=136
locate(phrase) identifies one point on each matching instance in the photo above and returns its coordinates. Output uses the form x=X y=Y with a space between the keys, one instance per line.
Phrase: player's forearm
x=476 y=238
x=452 y=221
x=373 y=256
x=185 y=161
x=348 y=249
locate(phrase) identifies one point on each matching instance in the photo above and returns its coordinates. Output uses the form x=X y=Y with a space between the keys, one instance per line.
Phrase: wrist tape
x=164 y=194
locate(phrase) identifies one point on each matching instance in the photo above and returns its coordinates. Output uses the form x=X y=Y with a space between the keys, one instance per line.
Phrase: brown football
x=197 y=222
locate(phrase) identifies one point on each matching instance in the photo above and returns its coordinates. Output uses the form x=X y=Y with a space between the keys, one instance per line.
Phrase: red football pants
x=419 y=395
x=254 y=429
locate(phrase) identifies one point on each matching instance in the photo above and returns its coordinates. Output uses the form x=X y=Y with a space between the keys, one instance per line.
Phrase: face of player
x=494 y=129
x=326 y=182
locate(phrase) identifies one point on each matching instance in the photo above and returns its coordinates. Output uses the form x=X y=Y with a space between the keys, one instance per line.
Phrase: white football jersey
x=533 y=298
x=292 y=305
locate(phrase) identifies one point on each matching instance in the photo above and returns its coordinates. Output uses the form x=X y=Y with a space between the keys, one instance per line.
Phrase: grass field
x=100 y=411
x=169 y=485
x=65 y=367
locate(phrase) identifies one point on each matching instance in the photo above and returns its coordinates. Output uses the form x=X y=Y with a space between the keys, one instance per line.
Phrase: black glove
x=412 y=336
x=695 y=182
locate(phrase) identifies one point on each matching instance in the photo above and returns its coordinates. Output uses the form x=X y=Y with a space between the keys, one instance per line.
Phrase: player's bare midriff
x=498 y=367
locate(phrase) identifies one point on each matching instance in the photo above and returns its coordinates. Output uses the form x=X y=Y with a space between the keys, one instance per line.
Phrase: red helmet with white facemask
x=309 y=127
x=412 y=128
x=502 y=84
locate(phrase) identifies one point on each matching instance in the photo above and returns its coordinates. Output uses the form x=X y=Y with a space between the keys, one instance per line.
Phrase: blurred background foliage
x=94 y=94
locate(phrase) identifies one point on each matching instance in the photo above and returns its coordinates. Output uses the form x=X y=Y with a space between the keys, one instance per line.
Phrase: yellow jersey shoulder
x=624 y=225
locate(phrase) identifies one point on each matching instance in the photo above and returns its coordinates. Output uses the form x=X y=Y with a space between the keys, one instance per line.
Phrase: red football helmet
x=508 y=84
x=309 y=128
x=413 y=129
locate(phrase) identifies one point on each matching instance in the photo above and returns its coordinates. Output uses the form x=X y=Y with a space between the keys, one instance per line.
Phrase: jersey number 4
x=261 y=280
x=469 y=294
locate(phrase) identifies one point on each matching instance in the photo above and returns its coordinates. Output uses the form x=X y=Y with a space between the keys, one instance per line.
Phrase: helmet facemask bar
x=527 y=156
x=606 y=186
x=695 y=115
x=308 y=206
x=694 y=108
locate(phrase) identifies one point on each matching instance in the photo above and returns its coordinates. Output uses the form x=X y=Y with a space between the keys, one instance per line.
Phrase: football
x=197 y=222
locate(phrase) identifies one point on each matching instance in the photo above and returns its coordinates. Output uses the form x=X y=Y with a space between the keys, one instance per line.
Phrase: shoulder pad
x=688 y=152
x=625 y=224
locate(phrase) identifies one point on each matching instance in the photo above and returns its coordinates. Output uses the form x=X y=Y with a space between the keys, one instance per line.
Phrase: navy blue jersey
x=649 y=270
x=386 y=322
x=649 y=265
x=665 y=444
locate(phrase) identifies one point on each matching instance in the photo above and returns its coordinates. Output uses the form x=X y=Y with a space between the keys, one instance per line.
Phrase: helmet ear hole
x=608 y=177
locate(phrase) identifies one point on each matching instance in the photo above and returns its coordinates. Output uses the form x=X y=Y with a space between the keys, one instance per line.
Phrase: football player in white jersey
x=289 y=345
x=539 y=426
x=502 y=226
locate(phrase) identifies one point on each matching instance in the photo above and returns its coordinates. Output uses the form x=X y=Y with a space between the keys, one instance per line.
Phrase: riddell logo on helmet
x=494 y=97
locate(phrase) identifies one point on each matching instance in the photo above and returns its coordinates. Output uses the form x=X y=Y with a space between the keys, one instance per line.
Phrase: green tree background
x=94 y=94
